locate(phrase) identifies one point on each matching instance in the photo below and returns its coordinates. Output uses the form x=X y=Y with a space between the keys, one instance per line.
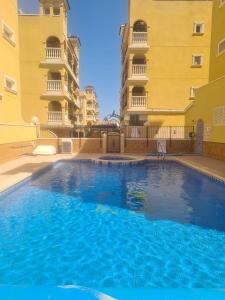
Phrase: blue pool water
x=158 y=224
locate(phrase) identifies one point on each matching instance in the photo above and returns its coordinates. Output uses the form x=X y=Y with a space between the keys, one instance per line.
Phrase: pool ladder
x=161 y=154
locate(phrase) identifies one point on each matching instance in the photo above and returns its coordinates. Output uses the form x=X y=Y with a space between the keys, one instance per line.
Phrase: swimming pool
x=157 y=224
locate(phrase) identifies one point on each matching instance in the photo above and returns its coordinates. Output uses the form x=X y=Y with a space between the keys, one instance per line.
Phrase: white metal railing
x=138 y=70
x=140 y=37
x=52 y=53
x=138 y=101
x=55 y=116
x=54 y=85
x=157 y=132
x=90 y=107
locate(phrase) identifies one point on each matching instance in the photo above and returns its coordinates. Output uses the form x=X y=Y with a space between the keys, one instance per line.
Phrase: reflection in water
x=159 y=190
x=114 y=226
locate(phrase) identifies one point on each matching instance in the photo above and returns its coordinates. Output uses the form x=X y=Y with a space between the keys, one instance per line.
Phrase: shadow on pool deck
x=27 y=168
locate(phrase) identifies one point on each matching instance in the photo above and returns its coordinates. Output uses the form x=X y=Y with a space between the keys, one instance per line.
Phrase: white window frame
x=13 y=81
x=202 y=24
x=222 y=2
x=193 y=92
x=217 y=111
x=193 y=60
x=6 y=27
x=220 y=42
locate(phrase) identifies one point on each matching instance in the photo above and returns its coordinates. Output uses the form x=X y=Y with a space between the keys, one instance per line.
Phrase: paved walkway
x=15 y=171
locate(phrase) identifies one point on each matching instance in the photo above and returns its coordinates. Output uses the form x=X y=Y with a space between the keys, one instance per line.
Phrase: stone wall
x=83 y=145
x=15 y=150
x=214 y=150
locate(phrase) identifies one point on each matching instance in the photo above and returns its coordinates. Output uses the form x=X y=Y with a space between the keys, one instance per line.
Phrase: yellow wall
x=17 y=133
x=171 y=46
x=12 y=126
x=36 y=30
x=167 y=120
x=10 y=106
x=212 y=95
x=208 y=98
x=217 y=64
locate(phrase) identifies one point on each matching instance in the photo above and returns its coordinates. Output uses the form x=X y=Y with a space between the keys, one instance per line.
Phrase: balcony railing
x=139 y=101
x=139 y=70
x=54 y=85
x=55 y=117
x=53 y=53
x=90 y=118
x=90 y=107
x=140 y=38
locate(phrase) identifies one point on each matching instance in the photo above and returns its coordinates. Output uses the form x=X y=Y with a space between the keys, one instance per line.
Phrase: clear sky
x=97 y=23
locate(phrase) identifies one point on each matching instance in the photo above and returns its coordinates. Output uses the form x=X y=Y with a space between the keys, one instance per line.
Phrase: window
x=193 y=92
x=199 y=28
x=56 y=11
x=221 y=47
x=197 y=60
x=46 y=10
x=219 y=116
x=10 y=84
x=8 y=34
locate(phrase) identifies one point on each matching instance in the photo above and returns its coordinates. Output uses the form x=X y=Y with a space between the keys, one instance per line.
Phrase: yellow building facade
x=49 y=65
x=90 y=107
x=13 y=129
x=208 y=111
x=165 y=57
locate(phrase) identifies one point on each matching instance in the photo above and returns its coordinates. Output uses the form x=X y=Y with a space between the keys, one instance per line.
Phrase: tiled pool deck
x=22 y=168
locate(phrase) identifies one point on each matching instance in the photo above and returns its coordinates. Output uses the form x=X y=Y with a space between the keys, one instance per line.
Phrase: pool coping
x=95 y=159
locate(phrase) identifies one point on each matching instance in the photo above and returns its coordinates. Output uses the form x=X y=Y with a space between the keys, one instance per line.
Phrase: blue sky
x=97 y=23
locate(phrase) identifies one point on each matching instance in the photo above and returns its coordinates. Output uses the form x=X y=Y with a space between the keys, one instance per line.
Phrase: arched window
x=46 y=10
x=56 y=10
x=140 y=26
x=54 y=75
x=139 y=60
x=53 y=42
x=138 y=91
x=55 y=106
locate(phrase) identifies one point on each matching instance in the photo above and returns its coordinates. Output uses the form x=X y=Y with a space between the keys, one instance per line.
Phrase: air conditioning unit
x=67 y=146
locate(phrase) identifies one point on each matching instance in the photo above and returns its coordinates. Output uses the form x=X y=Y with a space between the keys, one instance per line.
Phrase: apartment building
x=91 y=111
x=165 y=57
x=208 y=111
x=49 y=67
x=13 y=129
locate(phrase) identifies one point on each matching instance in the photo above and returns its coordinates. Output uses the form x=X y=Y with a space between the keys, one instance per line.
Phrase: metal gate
x=113 y=142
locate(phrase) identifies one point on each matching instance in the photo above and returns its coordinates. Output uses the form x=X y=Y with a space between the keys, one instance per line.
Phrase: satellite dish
x=35 y=121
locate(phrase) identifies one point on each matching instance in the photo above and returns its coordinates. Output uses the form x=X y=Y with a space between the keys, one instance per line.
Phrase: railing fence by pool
x=157 y=132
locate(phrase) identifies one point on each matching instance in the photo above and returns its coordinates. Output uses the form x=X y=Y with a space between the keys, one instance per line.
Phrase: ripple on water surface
x=152 y=225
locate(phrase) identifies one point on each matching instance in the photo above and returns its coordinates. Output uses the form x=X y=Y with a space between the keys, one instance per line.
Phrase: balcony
x=140 y=39
x=54 y=85
x=90 y=107
x=90 y=118
x=139 y=102
x=139 y=70
x=53 y=53
x=55 y=117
